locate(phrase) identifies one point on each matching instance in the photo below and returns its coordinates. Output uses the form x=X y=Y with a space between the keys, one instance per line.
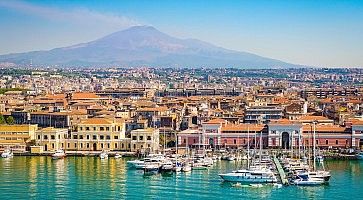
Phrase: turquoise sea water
x=93 y=178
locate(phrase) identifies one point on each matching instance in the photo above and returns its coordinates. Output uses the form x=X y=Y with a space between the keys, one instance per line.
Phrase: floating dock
x=280 y=171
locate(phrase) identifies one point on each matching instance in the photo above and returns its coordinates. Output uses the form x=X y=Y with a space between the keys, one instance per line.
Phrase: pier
x=281 y=171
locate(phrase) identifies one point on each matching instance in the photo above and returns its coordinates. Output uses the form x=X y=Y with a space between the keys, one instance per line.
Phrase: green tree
x=2 y=119
x=10 y=120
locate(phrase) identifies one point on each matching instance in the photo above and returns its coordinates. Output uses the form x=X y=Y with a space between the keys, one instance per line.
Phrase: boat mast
x=314 y=142
x=248 y=146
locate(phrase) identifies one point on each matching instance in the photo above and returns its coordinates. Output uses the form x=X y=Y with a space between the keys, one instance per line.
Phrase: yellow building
x=16 y=137
x=51 y=138
x=145 y=140
x=97 y=134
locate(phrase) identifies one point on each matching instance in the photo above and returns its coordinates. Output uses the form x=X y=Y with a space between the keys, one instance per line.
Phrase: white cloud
x=79 y=16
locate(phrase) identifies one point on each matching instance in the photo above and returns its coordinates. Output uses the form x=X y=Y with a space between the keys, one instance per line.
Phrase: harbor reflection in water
x=88 y=177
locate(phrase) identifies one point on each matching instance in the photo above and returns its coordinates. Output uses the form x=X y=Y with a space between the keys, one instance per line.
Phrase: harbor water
x=93 y=178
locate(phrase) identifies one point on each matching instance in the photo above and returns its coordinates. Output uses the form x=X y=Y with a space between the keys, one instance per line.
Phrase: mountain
x=144 y=46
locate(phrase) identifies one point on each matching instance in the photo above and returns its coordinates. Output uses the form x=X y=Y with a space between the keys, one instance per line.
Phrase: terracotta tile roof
x=216 y=121
x=282 y=121
x=313 y=118
x=243 y=127
x=153 y=109
x=324 y=128
x=96 y=121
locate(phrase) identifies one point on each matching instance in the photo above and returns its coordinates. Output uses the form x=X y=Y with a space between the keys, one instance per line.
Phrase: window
x=87 y=145
x=108 y=137
x=81 y=145
x=62 y=145
x=134 y=146
x=101 y=137
x=94 y=128
x=134 y=138
x=59 y=137
x=235 y=141
x=52 y=137
x=75 y=136
x=194 y=141
x=142 y=146
x=101 y=146
x=336 y=142
x=53 y=146
x=115 y=145
x=149 y=138
x=102 y=128
x=317 y=142
x=81 y=128
x=108 y=145
x=326 y=142
x=119 y=128
x=68 y=145
x=148 y=145
x=184 y=141
x=129 y=146
x=75 y=145
x=46 y=137
x=95 y=137
x=87 y=137
x=115 y=137
x=107 y=128
x=81 y=137
x=87 y=128
x=122 y=145
x=38 y=137
x=141 y=137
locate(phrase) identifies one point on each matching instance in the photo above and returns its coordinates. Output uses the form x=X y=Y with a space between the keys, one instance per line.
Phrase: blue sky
x=326 y=33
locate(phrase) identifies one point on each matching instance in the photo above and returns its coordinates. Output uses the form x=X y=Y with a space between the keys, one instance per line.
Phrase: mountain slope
x=144 y=46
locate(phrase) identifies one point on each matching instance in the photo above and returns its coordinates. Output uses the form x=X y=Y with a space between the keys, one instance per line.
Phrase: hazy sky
x=318 y=32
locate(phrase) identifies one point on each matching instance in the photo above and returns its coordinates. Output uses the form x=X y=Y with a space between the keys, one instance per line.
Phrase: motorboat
x=231 y=158
x=320 y=174
x=59 y=154
x=103 y=155
x=117 y=156
x=304 y=180
x=167 y=167
x=199 y=166
x=250 y=176
x=7 y=154
x=360 y=155
x=186 y=168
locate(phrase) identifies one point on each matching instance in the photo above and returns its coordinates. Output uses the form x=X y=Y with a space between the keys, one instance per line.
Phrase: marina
x=81 y=177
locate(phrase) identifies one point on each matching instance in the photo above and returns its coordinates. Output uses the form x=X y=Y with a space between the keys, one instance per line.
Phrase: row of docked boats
x=259 y=171
x=301 y=173
x=159 y=163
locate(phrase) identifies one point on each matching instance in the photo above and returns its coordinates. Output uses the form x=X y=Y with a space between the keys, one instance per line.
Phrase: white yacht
x=59 y=154
x=250 y=176
x=103 y=155
x=320 y=174
x=305 y=180
x=7 y=154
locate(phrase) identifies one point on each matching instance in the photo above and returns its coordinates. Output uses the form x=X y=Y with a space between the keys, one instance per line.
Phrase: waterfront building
x=97 y=134
x=17 y=137
x=145 y=140
x=281 y=134
x=51 y=139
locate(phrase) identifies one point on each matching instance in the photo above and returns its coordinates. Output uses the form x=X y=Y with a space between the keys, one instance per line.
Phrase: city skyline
x=323 y=34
